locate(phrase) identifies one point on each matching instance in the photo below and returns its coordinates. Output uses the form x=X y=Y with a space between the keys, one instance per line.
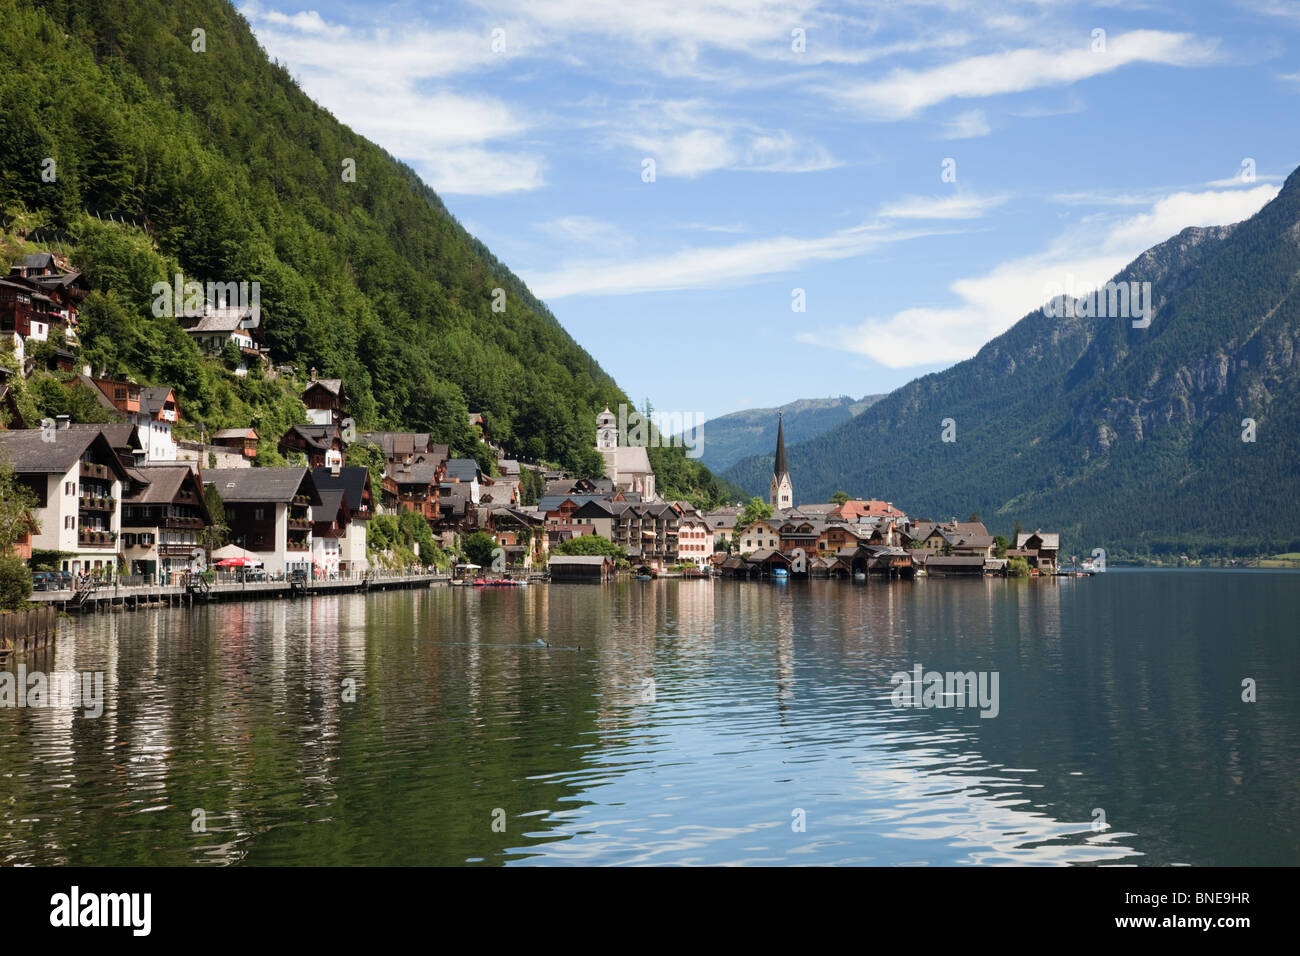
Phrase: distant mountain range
x=1123 y=438
x=729 y=438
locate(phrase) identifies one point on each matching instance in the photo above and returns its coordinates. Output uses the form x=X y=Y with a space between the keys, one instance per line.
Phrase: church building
x=780 y=492
x=627 y=466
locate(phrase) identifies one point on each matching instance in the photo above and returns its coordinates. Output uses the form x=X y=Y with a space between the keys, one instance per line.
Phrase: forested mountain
x=217 y=165
x=1119 y=437
x=729 y=438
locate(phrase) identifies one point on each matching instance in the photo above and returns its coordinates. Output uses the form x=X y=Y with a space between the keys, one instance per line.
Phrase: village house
x=465 y=471
x=598 y=513
x=242 y=441
x=268 y=511
x=723 y=522
x=1039 y=549
x=520 y=533
x=760 y=535
x=339 y=525
x=404 y=447
x=859 y=509
x=163 y=514
x=40 y=300
x=325 y=400
x=694 y=539
x=321 y=445
x=415 y=487
x=77 y=477
x=153 y=409
x=215 y=326
x=648 y=532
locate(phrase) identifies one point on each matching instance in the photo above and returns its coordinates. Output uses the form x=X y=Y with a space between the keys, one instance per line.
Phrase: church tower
x=780 y=492
x=606 y=430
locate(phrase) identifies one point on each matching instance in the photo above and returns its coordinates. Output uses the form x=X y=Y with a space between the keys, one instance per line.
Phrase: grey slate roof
x=462 y=469
x=351 y=480
x=29 y=453
x=261 y=484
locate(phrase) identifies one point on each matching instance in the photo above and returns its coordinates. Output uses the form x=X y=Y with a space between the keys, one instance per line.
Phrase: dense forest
x=216 y=165
x=1130 y=439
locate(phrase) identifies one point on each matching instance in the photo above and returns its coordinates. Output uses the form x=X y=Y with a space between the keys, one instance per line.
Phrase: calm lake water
x=682 y=722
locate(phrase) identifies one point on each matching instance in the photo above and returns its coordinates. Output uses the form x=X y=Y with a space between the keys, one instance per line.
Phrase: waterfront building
x=340 y=524
x=77 y=477
x=268 y=511
x=163 y=514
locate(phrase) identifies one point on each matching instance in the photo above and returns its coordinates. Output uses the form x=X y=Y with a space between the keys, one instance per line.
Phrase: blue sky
x=1079 y=134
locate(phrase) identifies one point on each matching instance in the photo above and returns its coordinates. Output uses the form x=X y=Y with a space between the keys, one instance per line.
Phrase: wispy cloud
x=711 y=267
x=989 y=304
x=584 y=230
x=955 y=206
x=904 y=92
x=967 y=125
x=689 y=138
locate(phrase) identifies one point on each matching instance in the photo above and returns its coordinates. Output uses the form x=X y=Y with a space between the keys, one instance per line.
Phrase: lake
x=677 y=722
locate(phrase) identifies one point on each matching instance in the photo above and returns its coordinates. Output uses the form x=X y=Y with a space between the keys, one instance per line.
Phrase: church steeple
x=781 y=492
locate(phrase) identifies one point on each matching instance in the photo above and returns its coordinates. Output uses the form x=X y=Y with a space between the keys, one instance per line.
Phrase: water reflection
x=673 y=722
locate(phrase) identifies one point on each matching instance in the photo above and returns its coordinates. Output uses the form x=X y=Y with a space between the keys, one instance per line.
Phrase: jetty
x=193 y=589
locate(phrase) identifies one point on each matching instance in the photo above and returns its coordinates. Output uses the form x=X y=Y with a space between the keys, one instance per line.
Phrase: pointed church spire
x=779 y=468
x=781 y=492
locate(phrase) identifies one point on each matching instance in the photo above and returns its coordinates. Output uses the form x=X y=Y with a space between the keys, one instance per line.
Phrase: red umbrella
x=236 y=562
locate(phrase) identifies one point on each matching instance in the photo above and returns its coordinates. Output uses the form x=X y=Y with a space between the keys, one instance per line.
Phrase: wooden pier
x=113 y=597
x=24 y=630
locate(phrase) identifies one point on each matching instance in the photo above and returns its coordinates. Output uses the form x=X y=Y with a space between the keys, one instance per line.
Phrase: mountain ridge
x=1060 y=421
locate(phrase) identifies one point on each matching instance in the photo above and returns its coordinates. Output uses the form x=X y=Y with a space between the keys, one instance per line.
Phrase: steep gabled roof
x=29 y=453
x=261 y=484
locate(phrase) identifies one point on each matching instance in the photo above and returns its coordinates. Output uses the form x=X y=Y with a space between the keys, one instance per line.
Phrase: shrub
x=15 y=583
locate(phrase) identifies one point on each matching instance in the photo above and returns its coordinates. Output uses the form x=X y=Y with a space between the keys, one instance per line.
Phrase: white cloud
x=479 y=172
x=586 y=230
x=376 y=81
x=990 y=304
x=712 y=266
x=905 y=92
x=967 y=125
x=686 y=138
x=955 y=206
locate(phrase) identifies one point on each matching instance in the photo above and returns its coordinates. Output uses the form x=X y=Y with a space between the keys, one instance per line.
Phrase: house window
x=70 y=522
x=259 y=514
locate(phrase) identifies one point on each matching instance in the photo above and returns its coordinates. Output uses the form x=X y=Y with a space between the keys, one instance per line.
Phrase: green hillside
x=1122 y=438
x=217 y=165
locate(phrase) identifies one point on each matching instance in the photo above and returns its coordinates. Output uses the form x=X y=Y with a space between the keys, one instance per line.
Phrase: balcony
x=296 y=546
x=91 y=470
x=96 y=539
x=195 y=524
x=98 y=503
x=299 y=524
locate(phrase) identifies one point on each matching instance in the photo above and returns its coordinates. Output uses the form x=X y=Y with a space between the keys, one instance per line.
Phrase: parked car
x=40 y=581
x=65 y=579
